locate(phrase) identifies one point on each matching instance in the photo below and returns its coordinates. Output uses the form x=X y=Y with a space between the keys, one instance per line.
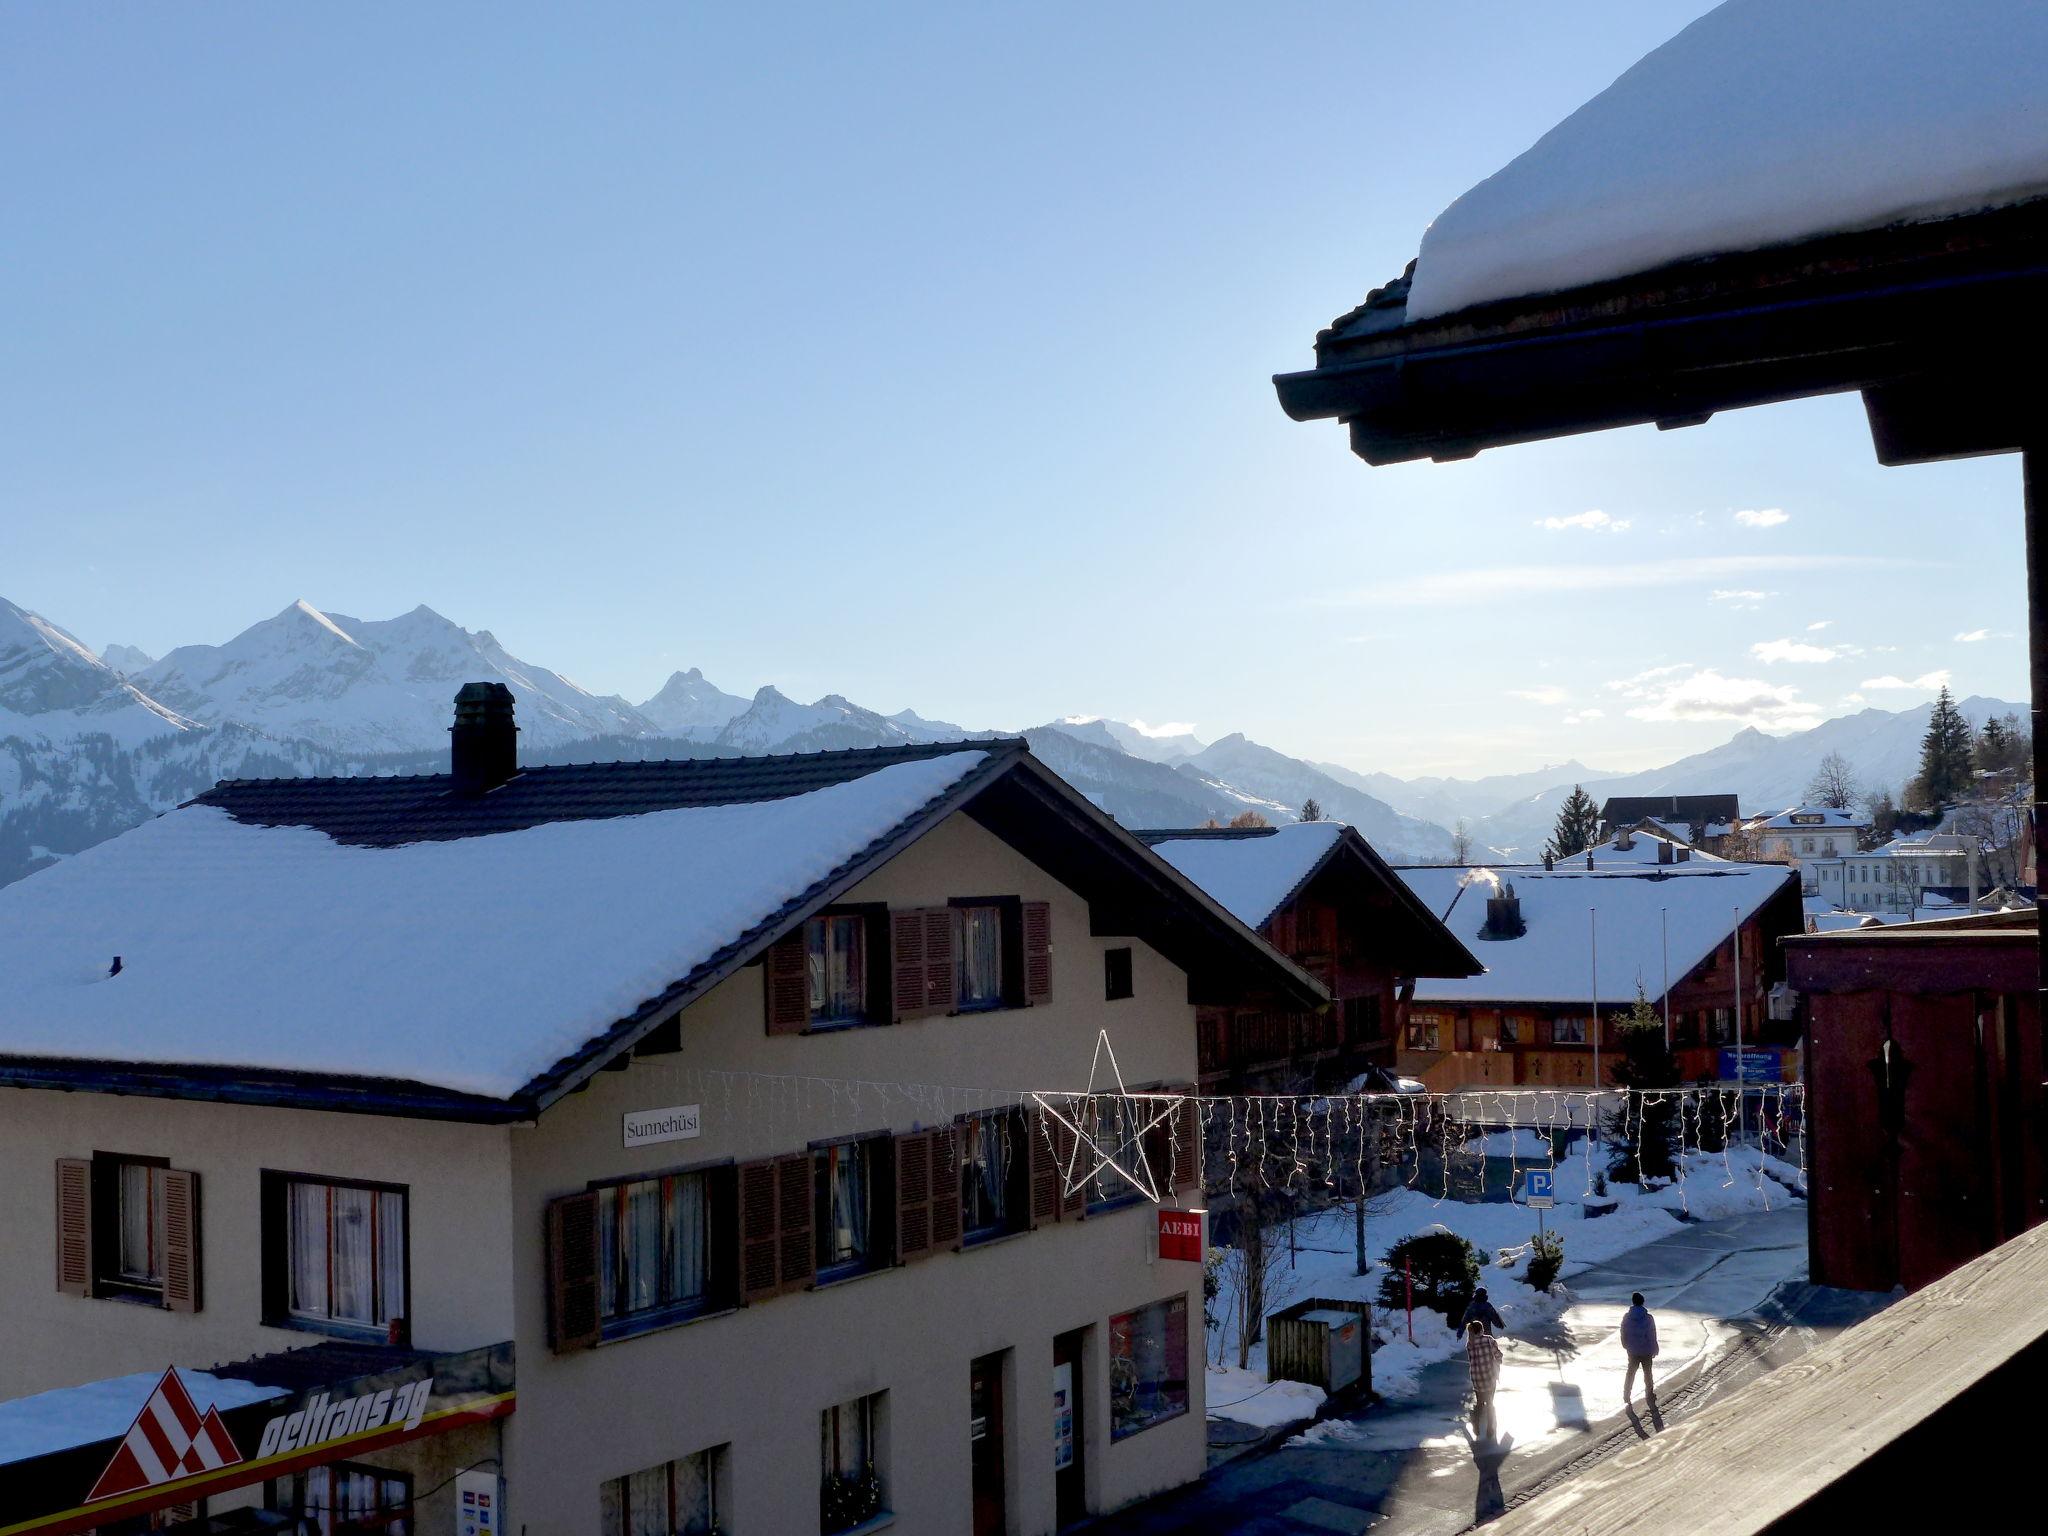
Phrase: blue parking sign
x=1541 y=1187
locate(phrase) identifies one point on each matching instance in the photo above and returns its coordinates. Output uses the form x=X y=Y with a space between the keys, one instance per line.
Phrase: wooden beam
x=1843 y=1429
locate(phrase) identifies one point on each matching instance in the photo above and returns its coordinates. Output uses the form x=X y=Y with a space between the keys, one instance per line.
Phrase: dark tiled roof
x=387 y=812
x=1634 y=808
x=1152 y=836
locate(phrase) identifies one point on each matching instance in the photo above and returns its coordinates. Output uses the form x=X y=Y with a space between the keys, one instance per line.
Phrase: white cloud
x=1818 y=625
x=1926 y=682
x=1580 y=716
x=1853 y=701
x=1792 y=650
x=1683 y=693
x=1972 y=636
x=1170 y=728
x=1546 y=693
x=1768 y=517
x=1739 y=597
x=1487 y=584
x=1590 y=522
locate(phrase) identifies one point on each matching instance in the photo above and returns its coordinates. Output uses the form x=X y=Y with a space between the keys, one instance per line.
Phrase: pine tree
x=1578 y=823
x=1643 y=1135
x=1311 y=809
x=1944 y=756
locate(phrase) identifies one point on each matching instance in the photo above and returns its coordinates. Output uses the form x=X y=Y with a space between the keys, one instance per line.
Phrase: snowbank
x=1713 y=1185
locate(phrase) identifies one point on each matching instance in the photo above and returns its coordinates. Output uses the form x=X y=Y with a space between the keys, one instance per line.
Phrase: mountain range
x=93 y=742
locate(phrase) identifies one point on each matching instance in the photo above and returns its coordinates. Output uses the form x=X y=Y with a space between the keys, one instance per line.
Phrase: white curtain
x=684 y=1280
x=694 y=1506
x=354 y=1300
x=141 y=1233
x=608 y=1264
x=849 y=1203
x=391 y=1298
x=991 y=1168
x=641 y=1247
x=611 y=1508
x=647 y=1497
x=306 y=1221
x=979 y=972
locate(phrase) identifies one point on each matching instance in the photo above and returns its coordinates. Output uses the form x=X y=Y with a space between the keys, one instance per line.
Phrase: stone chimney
x=1624 y=840
x=1663 y=851
x=483 y=743
x=1504 y=916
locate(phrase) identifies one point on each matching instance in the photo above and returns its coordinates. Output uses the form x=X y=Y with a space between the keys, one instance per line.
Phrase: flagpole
x=1736 y=940
x=1664 y=923
x=1593 y=937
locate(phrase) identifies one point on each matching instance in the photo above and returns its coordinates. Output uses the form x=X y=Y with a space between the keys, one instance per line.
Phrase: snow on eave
x=1761 y=124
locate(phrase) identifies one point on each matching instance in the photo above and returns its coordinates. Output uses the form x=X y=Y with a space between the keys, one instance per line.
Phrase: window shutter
x=574 y=1314
x=74 y=1226
x=181 y=1240
x=1187 y=1142
x=913 y=1197
x=947 y=1215
x=1067 y=1153
x=1044 y=1170
x=906 y=961
x=797 y=1260
x=786 y=982
x=1543 y=1031
x=941 y=937
x=1037 y=952
x=760 y=1232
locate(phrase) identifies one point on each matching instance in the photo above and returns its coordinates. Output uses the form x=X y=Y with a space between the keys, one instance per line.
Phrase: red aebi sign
x=1180 y=1235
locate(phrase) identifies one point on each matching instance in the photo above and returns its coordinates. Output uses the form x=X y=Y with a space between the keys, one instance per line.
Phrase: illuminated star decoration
x=1160 y=1106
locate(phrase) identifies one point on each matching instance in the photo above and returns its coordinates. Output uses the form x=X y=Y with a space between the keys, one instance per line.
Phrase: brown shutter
x=1187 y=1143
x=1068 y=1153
x=786 y=982
x=760 y=1232
x=74 y=1226
x=574 y=1313
x=1037 y=951
x=181 y=1240
x=1542 y=1031
x=797 y=1261
x=947 y=1215
x=1044 y=1172
x=906 y=961
x=941 y=941
x=913 y=1197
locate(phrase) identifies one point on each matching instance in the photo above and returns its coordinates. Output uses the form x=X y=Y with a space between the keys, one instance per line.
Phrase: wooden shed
x=1929 y=1133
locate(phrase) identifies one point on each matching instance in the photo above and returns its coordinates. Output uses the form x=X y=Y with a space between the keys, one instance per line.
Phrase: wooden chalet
x=1321 y=895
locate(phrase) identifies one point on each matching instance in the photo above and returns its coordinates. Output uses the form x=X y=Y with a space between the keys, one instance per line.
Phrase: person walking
x=1482 y=1358
x=1639 y=1343
x=1481 y=1310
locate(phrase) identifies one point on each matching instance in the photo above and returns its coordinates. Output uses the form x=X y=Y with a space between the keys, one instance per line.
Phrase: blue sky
x=918 y=353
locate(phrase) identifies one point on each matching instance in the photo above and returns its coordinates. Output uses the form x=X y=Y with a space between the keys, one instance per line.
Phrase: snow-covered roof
x=1253 y=876
x=45 y=1422
x=471 y=964
x=1642 y=849
x=1811 y=818
x=1695 y=905
x=1760 y=124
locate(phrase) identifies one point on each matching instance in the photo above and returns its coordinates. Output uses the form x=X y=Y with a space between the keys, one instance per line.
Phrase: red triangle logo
x=169 y=1439
x=124 y=1474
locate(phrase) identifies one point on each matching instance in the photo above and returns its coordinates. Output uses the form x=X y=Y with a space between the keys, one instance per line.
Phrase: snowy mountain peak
x=688 y=703
x=126 y=658
x=53 y=688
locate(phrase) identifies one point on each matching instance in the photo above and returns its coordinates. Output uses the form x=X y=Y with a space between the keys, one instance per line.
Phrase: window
x=662 y=1246
x=836 y=958
x=1116 y=975
x=994 y=1175
x=854 y=1194
x=1148 y=1367
x=1362 y=1020
x=1114 y=1120
x=1425 y=1031
x=851 y=1490
x=337 y=1253
x=1721 y=1026
x=342 y=1499
x=128 y=1228
x=1511 y=1032
x=1567 y=1031
x=1809 y=844
x=677 y=1498
x=978 y=956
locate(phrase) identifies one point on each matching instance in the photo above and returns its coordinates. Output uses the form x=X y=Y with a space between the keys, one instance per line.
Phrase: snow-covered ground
x=1712 y=1186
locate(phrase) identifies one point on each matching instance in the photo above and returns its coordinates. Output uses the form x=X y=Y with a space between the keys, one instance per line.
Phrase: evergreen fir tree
x=1944 y=756
x=1311 y=809
x=1643 y=1136
x=1578 y=823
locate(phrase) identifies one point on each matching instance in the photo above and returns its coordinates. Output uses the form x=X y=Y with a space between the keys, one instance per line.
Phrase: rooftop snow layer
x=1830 y=817
x=1251 y=876
x=99 y=1410
x=1552 y=961
x=473 y=964
x=1761 y=123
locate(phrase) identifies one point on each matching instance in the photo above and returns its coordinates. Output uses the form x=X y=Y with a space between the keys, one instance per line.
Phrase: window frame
x=1124 y=1431
x=1016 y=1215
x=874 y=966
x=1098 y=1203
x=873 y=1409
x=721 y=1261
x=107 y=1282
x=275 y=1186
x=1576 y=1021
x=287 y=1495
x=877 y=1149
x=714 y=1472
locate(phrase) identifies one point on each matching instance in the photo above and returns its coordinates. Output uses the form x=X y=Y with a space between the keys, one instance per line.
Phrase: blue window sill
x=660 y=1319
x=356 y=1332
x=839 y=1274
x=880 y=1522
x=990 y=1237
x=1104 y=1207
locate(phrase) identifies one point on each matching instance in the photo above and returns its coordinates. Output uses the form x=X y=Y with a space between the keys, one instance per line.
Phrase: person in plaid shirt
x=1482 y=1355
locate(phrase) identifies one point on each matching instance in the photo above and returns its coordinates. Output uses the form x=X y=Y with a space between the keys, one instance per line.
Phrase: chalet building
x=1319 y=894
x=1925 y=1067
x=607 y=1150
x=1703 y=821
x=1808 y=834
x=1562 y=942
